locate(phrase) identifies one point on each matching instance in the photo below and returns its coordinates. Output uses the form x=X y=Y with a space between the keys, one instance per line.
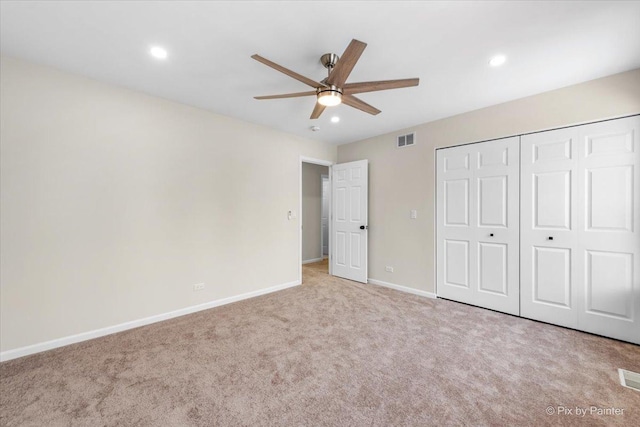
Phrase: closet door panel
x=551 y=276
x=609 y=198
x=548 y=219
x=497 y=179
x=478 y=223
x=492 y=268
x=456 y=263
x=608 y=284
x=456 y=202
x=609 y=241
x=455 y=223
x=551 y=202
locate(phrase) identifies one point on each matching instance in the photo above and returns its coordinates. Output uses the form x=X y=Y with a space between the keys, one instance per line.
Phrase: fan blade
x=287 y=95
x=354 y=102
x=345 y=64
x=288 y=72
x=351 y=88
x=317 y=110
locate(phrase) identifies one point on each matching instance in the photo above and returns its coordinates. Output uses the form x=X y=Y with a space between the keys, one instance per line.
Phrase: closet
x=545 y=226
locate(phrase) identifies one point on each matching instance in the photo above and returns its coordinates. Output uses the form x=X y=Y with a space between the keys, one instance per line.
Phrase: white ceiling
x=446 y=44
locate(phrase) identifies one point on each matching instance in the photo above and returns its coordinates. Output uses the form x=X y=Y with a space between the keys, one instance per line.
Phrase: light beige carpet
x=327 y=353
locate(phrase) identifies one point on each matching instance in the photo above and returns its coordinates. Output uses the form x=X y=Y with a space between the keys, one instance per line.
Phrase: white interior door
x=548 y=226
x=478 y=223
x=609 y=242
x=349 y=220
x=325 y=216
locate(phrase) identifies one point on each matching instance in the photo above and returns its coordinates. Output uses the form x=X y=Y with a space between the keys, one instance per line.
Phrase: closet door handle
x=550 y=237
x=491 y=235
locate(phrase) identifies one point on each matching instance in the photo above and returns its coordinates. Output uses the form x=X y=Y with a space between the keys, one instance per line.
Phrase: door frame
x=322 y=178
x=320 y=162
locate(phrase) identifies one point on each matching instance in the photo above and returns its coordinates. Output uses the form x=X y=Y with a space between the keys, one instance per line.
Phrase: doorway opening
x=347 y=248
x=315 y=201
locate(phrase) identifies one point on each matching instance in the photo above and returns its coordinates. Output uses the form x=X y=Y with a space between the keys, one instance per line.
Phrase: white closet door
x=477 y=244
x=497 y=182
x=548 y=219
x=609 y=240
x=455 y=244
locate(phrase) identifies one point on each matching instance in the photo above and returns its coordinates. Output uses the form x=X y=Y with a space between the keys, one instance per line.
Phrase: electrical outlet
x=198 y=287
x=413 y=214
x=389 y=269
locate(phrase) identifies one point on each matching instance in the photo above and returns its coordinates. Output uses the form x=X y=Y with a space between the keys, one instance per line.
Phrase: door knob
x=363 y=227
x=550 y=237
x=491 y=235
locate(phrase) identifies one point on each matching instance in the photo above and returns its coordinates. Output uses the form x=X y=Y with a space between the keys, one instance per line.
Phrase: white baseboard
x=402 y=288
x=309 y=261
x=84 y=336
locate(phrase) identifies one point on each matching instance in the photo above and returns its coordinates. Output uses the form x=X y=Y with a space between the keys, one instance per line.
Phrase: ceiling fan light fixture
x=330 y=97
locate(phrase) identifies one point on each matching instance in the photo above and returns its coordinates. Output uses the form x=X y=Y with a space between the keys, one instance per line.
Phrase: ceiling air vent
x=406 y=140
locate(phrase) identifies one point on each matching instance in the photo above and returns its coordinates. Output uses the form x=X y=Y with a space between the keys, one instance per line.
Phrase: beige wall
x=403 y=179
x=115 y=203
x=311 y=210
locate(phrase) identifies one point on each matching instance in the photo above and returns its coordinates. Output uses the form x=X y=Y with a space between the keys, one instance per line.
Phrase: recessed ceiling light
x=158 y=52
x=497 y=60
x=335 y=119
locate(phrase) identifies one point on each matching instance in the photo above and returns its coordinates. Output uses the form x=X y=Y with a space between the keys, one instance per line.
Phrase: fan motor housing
x=332 y=88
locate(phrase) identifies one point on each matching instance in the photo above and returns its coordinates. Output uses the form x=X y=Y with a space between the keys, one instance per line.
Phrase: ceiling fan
x=334 y=90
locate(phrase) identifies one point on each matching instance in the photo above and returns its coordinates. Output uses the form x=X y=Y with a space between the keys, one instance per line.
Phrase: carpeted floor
x=327 y=353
